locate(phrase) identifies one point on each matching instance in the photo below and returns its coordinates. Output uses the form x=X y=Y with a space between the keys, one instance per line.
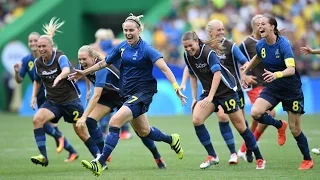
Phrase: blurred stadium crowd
x=12 y=9
x=299 y=19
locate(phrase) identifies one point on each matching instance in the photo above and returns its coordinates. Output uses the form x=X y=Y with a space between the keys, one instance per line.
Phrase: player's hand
x=78 y=74
x=306 y=50
x=194 y=102
x=17 y=67
x=182 y=97
x=268 y=76
x=56 y=81
x=81 y=123
x=33 y=103
x=205 y=102
x=250 y=80
x=183 y=87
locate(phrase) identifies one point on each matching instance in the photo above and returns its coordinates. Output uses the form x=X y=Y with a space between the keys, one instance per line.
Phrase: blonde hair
x=256 y=17
x=136 y=19
x=34 y=33
x=215 y=43
x=103 y=34
x=91 y=52
x=50 y=29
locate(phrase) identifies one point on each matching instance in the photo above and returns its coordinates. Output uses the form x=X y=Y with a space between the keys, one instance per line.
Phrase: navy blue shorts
x=111 y=104
x=138 y=103
x=292 y=101
x=229 y=104
x=70 y=111
x=241 y=99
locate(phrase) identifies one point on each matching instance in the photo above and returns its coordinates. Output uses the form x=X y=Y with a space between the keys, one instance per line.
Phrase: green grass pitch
x=131 y=160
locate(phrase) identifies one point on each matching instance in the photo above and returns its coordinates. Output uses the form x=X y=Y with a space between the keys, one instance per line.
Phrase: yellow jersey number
x=75 y=115
x=231 y=104
x=263 y=53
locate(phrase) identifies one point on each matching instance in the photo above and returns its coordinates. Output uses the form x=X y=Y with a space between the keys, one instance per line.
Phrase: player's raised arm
x=307 y=50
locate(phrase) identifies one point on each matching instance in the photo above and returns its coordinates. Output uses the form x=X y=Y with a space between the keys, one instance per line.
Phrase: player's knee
x=82 y=134
x=38 y=120
x=116 y=122
x=223 y=117
x=143 y=132
x=197 y=121
x=295 y=130
x=256 y=113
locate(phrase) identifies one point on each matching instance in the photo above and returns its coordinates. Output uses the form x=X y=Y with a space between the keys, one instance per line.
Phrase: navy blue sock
x=204 y=138
x=110 y=143
x=92 y=147
x=303 y=146
x=95 y=133
x=52 y=132
x=269 y=120
x=68 y=147
x=251 y=143
x=40 y=137
x=227 y=135
x=151 y=146
x=156 y=135
x=125 y=127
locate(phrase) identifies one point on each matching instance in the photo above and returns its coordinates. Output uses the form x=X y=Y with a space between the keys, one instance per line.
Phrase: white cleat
x=233 y=159
x=261 y=164
x=242 y=155
x=316 y=151
x=209 y=162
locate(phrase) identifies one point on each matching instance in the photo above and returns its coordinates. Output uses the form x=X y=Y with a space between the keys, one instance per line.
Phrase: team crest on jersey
x=277 y=53
x=134 y=57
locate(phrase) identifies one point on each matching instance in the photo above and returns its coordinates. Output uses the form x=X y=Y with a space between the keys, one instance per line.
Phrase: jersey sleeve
x=238 y=55
x=115 y=54
x=24 y=68
x=214 y=62
x=63 y=61
x=101 y=76
x=187 y=63
x=153 y=54
x=288 y=55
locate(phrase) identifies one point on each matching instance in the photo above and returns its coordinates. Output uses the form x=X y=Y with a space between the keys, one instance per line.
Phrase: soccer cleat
x=306 y=164
x=43 y=161
x=94 y=166
x=233 y=159
x=161 y=164
x=125 y=135
x=209 y=162
x=109 y=158
x=61 y=145
x=176 y=146
x=316 y=151
x=242 y=155
x=261 y=164
x=249 y=156
x=282 y=133
x=72 y=157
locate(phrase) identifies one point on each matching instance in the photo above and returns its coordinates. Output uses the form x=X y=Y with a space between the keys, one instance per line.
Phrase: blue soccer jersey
x=28 y=67
x=275 y=57
x=136 y=67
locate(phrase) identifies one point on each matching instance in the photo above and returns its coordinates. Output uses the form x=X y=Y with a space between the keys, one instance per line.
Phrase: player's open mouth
x=262 y=31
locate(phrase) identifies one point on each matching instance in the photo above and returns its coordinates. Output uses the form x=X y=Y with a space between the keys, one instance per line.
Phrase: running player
x=62 y=95
x=137 y=87
x=27 y=66
x=219 y=90
x=283 y=84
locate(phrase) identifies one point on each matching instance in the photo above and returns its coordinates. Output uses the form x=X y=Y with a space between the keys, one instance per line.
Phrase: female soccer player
x=62 y=95
x=137 y=87
x=255 y=80
x=219 y=90
x=283 y=84
x=27 y=66
x=105 y=98
x=307 y=50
